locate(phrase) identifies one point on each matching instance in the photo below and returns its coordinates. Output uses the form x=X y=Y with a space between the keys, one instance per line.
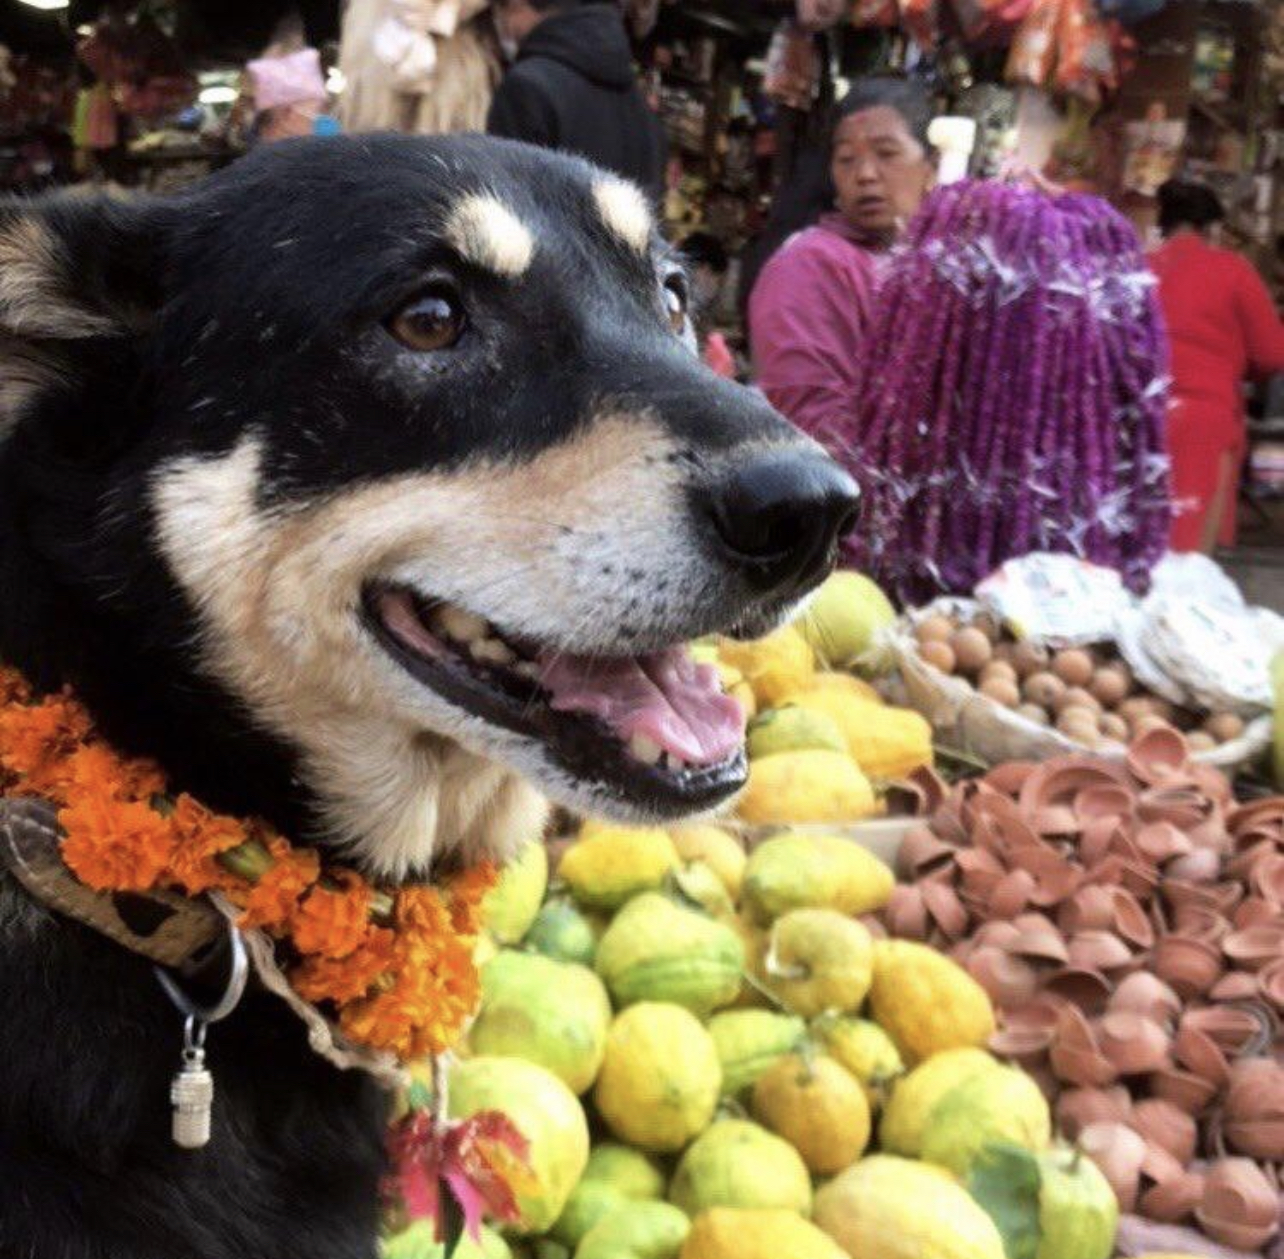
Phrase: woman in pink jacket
x=811 y=302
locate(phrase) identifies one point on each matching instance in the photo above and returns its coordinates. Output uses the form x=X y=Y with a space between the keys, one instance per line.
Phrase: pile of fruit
x=1089 y=694
x=822 y=744
x=713 y=1056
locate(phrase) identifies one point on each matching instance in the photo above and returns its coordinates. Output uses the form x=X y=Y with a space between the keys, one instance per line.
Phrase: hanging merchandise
x=415 y=65
x=820 y=15
x=792 y=77
x=1016 y=400
x=921 y=19
x=1213 y=73
x=1034 y=49
x=990 y=20
x=874 y=14
x=1085 y=58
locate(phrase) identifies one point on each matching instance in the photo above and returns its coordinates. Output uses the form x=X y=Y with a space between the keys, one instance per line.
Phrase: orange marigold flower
x=115 y=845
x=277 y=892
x=325 y=979
x=94 y=767
x=423 y=1013
x=200 y=836
x=467 y=892
x=333 y=922
x=419 y=908
x=410 y=989
x=35 y=742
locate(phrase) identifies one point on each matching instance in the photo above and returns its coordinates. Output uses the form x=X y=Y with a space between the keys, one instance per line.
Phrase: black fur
x=258 y=299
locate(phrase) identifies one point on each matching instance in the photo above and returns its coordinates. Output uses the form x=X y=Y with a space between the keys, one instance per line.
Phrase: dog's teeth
x=462 y=626
x=490 y=651
x=645 y=749
x=528 y=669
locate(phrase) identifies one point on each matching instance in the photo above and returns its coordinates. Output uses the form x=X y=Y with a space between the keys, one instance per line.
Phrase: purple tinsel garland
x=1015 y=395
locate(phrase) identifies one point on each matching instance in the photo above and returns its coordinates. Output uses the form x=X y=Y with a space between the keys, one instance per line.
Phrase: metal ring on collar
x=231 y=997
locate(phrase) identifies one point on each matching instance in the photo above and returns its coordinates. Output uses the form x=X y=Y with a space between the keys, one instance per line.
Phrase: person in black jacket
x=572 y=87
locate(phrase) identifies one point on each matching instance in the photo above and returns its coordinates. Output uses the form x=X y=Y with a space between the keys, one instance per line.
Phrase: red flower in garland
x=473 y=1168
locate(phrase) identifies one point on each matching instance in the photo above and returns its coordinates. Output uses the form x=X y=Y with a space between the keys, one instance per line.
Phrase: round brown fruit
x=1073 y=666
x=938 y=654
x=997 y=669
x=1109 y=687
x=1035 y=713
x=1224 y=726
x=1079 y=724
x=1077 y=697
x=1043 y=688
x=971 y=649
x=934 y=629
x=1001 y=691
x=1134 y=708
x=1200 y=741
x=1029 y=658
x=1113 y=726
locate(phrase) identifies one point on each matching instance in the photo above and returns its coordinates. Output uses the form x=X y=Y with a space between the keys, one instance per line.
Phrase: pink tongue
x=667 y=697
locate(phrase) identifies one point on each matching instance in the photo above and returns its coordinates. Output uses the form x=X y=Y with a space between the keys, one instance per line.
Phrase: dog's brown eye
x=675 y=304
x=432 y=322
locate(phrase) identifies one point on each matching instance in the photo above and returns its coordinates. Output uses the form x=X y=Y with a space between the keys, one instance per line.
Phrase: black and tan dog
x=369 y=488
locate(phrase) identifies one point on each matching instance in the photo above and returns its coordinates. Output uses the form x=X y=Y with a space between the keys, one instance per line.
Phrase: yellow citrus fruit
x=727 y=1233
x=810 y=786
x=886 y=1207
x=660 y=1078
x=926 y=1002
x=818 y=1107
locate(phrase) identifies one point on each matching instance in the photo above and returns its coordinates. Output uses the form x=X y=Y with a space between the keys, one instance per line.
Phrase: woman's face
x=879 y=169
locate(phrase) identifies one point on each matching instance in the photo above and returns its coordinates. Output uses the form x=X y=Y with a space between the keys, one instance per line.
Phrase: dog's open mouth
x=655 y=730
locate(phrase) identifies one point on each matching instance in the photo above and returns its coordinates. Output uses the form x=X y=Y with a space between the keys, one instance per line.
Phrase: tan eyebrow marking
x=486 y=232
x=624 y=210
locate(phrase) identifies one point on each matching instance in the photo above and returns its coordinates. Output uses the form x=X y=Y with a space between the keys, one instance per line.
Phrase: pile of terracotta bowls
x=1128 y=922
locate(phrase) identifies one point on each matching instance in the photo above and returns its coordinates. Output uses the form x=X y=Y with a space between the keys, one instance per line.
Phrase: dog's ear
x=75 y=271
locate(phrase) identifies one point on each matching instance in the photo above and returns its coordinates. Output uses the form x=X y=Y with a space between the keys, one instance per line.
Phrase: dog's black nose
x=779 y=517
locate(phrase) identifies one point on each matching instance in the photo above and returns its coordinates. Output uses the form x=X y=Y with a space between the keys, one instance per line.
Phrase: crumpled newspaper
x=1191 y=639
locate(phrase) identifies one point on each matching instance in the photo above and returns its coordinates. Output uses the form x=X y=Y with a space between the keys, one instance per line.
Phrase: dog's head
x=404 y=444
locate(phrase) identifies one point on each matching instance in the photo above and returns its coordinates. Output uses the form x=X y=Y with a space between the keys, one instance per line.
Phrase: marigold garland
x=396 y=966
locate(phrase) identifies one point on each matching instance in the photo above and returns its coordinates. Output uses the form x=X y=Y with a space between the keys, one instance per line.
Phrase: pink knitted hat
x=288 y=80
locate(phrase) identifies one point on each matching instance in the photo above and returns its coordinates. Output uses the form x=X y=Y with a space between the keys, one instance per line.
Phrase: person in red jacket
x=1223 y=327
